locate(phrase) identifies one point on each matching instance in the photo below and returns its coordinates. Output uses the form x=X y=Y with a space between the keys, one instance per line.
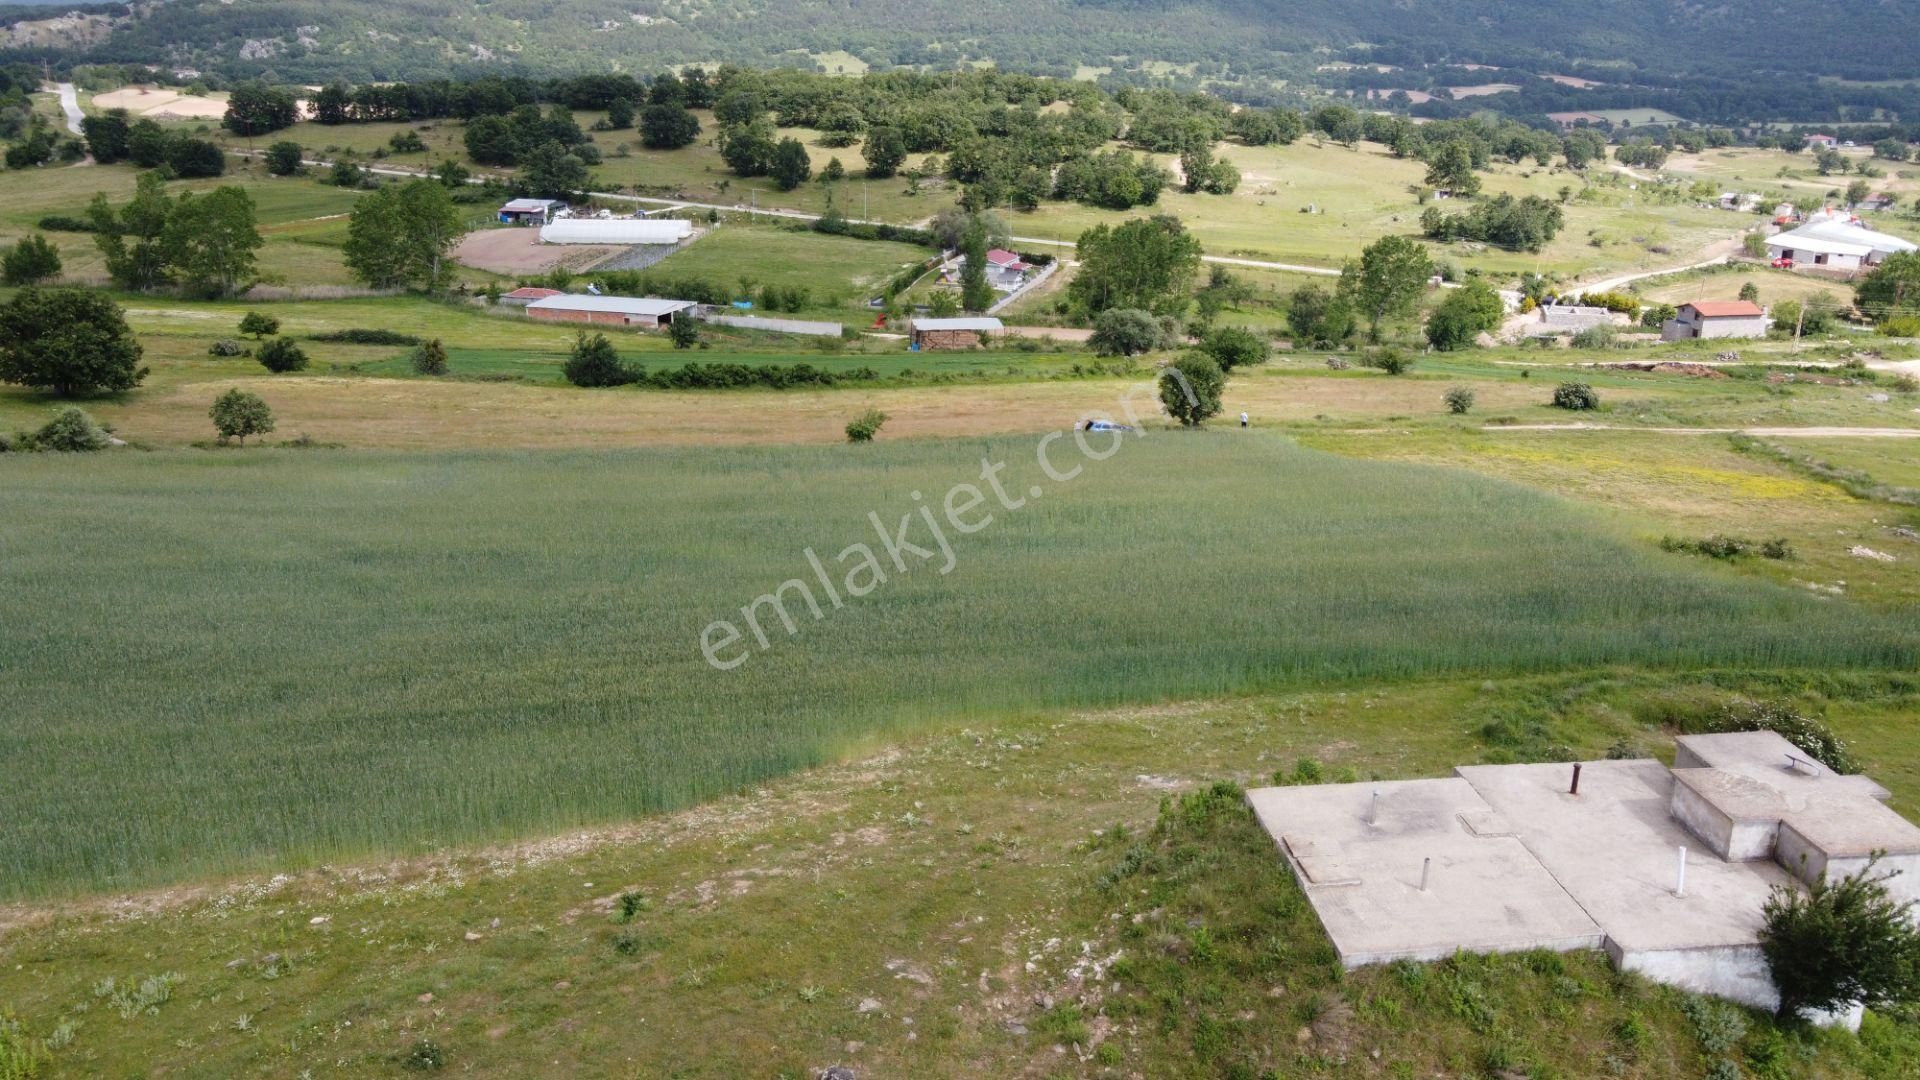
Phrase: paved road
x=70 y=103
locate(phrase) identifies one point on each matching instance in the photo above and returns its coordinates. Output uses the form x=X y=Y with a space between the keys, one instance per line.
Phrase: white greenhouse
x=617 y=232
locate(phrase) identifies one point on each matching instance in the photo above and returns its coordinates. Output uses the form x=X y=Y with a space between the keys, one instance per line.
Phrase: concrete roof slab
x=1615 y=848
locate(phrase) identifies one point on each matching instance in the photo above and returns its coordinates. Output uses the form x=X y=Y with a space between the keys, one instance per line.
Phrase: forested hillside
x=1246 y=42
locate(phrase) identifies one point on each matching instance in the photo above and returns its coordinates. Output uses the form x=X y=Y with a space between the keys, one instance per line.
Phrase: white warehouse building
x=616 y=232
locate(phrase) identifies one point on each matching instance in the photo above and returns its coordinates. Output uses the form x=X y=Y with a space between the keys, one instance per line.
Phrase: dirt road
x=1757 y=432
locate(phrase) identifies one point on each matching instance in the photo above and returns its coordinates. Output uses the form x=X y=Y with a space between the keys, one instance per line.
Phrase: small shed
x=1716 y=319
x=641 y=313
x=530 y=211
x=964 y=333
x=617 y=232
x=527 y=294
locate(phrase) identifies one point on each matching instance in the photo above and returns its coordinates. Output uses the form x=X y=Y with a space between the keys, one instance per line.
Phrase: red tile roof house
x=1005 y=270
x=1716 y=319
x=521 y=297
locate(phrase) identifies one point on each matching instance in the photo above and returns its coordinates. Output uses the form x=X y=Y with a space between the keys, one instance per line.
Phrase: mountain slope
x=1243 y=40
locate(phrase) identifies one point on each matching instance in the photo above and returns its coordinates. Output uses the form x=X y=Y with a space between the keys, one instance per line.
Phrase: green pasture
x=297 y=656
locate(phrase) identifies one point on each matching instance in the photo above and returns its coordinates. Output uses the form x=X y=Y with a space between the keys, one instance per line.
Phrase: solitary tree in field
x=1387 y=280
x=790 y=167
x=68 y=341
x=285 y=158
x=238 y=414
x=258 y=325
x=31 y=261
x=1191 y=387
x=1839 y=943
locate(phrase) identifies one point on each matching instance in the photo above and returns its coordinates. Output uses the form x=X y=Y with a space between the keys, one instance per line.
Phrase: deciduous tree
x=237 y=414
x=1387 y=280
x=68 y=341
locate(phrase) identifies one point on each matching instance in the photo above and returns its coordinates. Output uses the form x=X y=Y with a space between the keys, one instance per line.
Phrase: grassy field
x=922 y=912
x=369 y=699
x=840 y=272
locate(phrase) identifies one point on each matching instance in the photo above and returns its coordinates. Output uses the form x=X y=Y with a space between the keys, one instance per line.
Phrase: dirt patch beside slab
x=519 y=251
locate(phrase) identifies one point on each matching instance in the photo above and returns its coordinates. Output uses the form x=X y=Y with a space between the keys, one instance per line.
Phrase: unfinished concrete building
x=1665 y=869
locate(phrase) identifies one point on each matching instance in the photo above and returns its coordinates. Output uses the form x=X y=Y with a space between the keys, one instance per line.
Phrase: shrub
x=281 y=355
x=1459 y=400
x=864 y=427
x=430 y=358
x=424 y=1056
x=1808 y=734
x=71 y=431
x=1390 y=360
x=259 y=324
x=363 y=336
x=1904 y=383
x=1901 y=326
x=1234 y=346
x=1657 y=315
x=1603 y=336
x=1718 y=546
x=1576 y=396
x=1624 y=303
x=1190 y=389
x=228 y=347
x=237 y=414
x=684 y=333
x=594 y=363
x=1125 y=332
x=63 y=223
x=284 y=158
x=1839 y=943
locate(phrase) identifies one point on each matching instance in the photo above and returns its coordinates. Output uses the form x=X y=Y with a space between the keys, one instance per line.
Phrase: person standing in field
x=1243 y=419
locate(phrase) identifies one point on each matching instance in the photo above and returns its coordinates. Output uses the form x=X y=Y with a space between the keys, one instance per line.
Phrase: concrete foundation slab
x=1362 y=851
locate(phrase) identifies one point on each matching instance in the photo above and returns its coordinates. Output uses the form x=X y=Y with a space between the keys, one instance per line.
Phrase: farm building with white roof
x=644 y=313
x=1836 y=242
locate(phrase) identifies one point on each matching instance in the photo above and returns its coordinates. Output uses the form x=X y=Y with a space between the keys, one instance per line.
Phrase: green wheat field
x=215 y=663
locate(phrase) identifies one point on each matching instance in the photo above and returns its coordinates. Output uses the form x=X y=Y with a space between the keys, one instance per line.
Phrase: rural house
x=640 y=313
x=1005 y=270
x=527 y=294
x=965 y=333
x=1821 y=142
x=530 y=211
x=1716 y=319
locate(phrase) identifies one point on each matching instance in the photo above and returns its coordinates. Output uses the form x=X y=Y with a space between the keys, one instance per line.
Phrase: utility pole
x=1799 y=323
x=866 y=209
